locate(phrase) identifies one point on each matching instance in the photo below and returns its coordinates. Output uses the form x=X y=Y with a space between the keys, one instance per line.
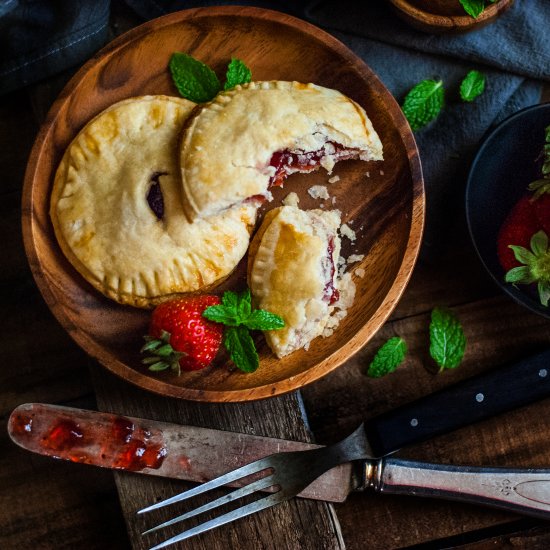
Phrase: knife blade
x=199 y=454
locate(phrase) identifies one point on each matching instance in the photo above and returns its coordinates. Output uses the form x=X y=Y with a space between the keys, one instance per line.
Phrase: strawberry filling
x=330 y=292
x=154 y=197
x=287 y=162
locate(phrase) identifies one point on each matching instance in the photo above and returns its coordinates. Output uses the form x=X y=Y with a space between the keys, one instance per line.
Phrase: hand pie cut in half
x=259 y=133
x=292 y=271
x=117 y=214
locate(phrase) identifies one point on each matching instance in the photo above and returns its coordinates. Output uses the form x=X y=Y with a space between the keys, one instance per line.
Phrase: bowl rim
x=518 y=296
x=451 y=22
x=330 y=362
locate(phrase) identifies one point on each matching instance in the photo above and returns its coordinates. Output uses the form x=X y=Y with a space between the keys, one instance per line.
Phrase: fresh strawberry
x=518 y=228
x=541 y=208
x=522 y=246
x=180 y=337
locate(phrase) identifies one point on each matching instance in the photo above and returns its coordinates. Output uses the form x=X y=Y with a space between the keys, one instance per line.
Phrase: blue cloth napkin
x=40 y=38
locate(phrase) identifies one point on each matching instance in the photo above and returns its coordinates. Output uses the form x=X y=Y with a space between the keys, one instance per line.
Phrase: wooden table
x=48 y=504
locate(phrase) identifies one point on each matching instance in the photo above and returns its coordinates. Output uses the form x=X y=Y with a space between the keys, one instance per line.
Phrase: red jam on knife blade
x=114 y=442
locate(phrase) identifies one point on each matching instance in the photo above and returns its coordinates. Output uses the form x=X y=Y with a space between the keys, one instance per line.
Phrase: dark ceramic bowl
x=503 y=168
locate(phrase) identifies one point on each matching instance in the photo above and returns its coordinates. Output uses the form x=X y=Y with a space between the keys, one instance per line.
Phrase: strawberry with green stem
x=523 y=238
x=180 y=338
x=535 y=268
x=186 y=333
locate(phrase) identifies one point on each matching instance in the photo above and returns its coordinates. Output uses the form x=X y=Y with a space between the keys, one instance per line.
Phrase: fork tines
x=264 y=483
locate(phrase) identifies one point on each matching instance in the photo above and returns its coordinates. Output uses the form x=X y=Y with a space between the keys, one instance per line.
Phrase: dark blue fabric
x=39 y=38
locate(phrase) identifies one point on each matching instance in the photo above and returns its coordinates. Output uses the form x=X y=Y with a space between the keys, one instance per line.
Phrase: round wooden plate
x=446 y=16
x=386 y=208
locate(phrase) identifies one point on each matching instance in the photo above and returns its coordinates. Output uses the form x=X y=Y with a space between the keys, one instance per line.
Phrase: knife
x=199 y=454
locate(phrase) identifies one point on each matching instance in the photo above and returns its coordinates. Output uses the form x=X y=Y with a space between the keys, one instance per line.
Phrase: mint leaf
x=423 y=103
x=230 y=299
x=388 y=357
x=472 y=86
x=474 y=8
x=244 y=304
x=260 y=319
x=239 y=344
x=447 y=340
x=222 y=314
x=237 y=73
x=194 y=80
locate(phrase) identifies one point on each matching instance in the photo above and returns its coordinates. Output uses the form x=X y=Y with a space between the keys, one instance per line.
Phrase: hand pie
x=116 y=208
x=259 y=133
x=292 y=271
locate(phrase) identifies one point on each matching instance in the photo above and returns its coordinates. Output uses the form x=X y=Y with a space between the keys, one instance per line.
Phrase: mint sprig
x=237 y=73
x=472 y=86
x=193 y=79
x=447 y=340
x=197 y=82
x=424 y=102
x=388 y=357
x=237 y=314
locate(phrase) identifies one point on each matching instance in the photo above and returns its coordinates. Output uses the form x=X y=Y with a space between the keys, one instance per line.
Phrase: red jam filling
x=330 y=293
x=113 y=442
x=286 y=162
x=154 y=197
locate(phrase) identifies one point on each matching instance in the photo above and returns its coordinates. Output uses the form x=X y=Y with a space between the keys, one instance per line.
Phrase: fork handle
x=526 y=491
x=477 y=398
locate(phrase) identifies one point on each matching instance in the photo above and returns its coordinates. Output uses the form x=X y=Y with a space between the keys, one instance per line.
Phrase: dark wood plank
x=301 y=524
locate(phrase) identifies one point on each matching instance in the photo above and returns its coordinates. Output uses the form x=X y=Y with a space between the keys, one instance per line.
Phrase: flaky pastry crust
x=107 y=227
x=291 y=269
x=228 y=146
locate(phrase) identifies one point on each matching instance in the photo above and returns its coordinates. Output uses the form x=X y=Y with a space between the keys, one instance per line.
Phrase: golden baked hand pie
x=259 y=133
x=292 y=271
x=117 y=214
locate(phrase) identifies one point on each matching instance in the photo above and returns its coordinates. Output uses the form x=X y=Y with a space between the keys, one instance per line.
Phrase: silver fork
x=287 y=474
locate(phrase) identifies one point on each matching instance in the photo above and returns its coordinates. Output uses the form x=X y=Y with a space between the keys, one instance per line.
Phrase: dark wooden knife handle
x=477 y=398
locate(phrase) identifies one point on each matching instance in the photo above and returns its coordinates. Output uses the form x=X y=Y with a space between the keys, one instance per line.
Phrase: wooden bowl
x=387 y=208
x=507 y=161
x=445 y=16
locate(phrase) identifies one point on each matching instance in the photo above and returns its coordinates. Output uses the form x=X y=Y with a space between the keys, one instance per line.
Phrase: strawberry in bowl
x=508 y=206
x=522 y=243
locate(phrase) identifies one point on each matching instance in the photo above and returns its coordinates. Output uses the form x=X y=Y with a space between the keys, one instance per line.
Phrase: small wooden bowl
x=445 y=16
x=388 y=206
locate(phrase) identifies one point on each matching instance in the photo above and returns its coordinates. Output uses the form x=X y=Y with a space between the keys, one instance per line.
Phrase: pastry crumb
x=367 y=174
x=355 y=258
x=347 y=231
x=381 y=172
x=318 y=192
x=334 y=179
x=327 y=162
x=346 y=288
x=360 y=272
x=292 y=199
